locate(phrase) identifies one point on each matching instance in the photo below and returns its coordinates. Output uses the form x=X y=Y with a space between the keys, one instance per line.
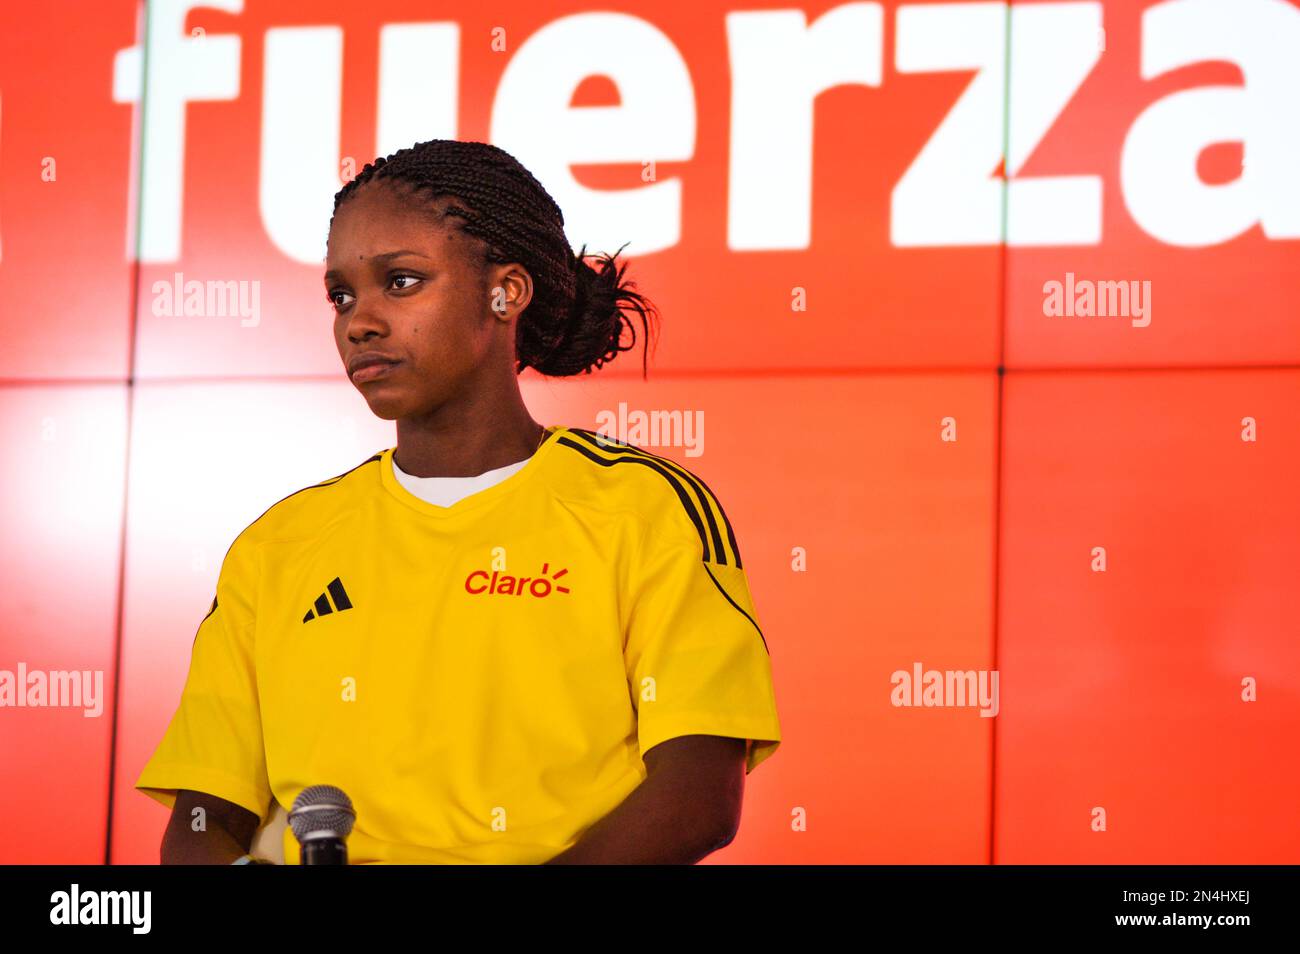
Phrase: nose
x=364 y=323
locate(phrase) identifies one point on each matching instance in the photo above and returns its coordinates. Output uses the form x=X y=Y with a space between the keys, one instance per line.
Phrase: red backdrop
x=851 y=218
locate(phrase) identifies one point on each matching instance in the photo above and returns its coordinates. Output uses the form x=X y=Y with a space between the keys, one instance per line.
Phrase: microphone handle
x=324 y=851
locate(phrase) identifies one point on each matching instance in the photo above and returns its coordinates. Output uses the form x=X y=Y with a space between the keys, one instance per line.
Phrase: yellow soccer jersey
x=481 y=679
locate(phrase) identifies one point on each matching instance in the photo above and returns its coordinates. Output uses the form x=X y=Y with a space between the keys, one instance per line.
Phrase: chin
x=386 y=410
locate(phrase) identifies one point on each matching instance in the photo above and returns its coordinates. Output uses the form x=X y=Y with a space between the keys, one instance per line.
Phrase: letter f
x=181 y=69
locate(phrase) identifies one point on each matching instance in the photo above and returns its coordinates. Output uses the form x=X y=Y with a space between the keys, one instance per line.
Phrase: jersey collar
x=478 y=499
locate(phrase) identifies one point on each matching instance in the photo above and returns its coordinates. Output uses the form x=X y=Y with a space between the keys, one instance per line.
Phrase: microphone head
x=321 y=811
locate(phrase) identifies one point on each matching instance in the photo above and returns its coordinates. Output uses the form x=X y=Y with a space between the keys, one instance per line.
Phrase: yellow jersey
x=480 y=679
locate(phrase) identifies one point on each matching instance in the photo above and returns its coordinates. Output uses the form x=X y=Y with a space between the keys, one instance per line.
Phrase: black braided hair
x=575 y=320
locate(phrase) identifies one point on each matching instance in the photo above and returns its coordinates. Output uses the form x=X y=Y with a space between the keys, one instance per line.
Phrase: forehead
x=382 y=215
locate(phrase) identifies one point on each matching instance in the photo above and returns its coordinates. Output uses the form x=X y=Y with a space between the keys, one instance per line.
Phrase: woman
x=507 y=643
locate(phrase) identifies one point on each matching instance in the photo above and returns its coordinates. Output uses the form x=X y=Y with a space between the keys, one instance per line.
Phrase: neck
x=469 y=445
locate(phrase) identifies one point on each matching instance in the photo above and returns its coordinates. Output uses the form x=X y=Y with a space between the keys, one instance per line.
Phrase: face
x=418 y=293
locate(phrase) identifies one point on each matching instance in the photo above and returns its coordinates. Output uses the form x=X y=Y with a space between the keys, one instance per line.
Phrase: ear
x=510 y=290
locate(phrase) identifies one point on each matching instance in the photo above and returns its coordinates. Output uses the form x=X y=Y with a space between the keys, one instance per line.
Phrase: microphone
x=321 y=819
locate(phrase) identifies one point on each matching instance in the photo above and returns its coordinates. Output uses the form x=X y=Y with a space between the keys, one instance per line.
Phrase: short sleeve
x=697 y=661
x=213 y=743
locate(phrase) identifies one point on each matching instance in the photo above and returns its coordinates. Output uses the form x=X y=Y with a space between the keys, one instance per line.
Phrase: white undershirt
x=445 y=491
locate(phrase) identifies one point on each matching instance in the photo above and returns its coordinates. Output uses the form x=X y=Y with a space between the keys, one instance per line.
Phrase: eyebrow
x=376 y=260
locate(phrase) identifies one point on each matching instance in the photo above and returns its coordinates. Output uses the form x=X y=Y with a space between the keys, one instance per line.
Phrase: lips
x=366 y=367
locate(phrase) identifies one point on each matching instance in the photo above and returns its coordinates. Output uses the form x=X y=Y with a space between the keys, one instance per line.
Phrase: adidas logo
x=323 y=607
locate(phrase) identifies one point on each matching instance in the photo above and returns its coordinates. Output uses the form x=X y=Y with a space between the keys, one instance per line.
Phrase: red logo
x=497 y=583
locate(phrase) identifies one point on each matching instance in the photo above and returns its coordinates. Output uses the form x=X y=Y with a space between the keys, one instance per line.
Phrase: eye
x=410 y=281
x=333 y=297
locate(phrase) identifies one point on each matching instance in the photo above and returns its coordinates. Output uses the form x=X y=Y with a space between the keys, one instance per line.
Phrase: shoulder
x=304 y=512
x=670 y=498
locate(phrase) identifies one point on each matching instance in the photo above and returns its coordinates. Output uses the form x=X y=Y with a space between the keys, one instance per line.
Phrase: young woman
x=507 y=643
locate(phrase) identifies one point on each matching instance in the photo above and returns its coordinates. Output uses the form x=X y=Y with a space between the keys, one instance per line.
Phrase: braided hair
x=574 y=322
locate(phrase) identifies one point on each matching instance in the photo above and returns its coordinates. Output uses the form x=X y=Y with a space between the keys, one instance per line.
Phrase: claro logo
x=497 y=583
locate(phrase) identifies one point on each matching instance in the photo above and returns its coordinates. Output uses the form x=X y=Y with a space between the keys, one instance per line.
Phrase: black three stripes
x=678 y=478
x=323 y=608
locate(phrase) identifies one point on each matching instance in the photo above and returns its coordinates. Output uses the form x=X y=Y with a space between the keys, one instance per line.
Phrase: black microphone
x=321 y=819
